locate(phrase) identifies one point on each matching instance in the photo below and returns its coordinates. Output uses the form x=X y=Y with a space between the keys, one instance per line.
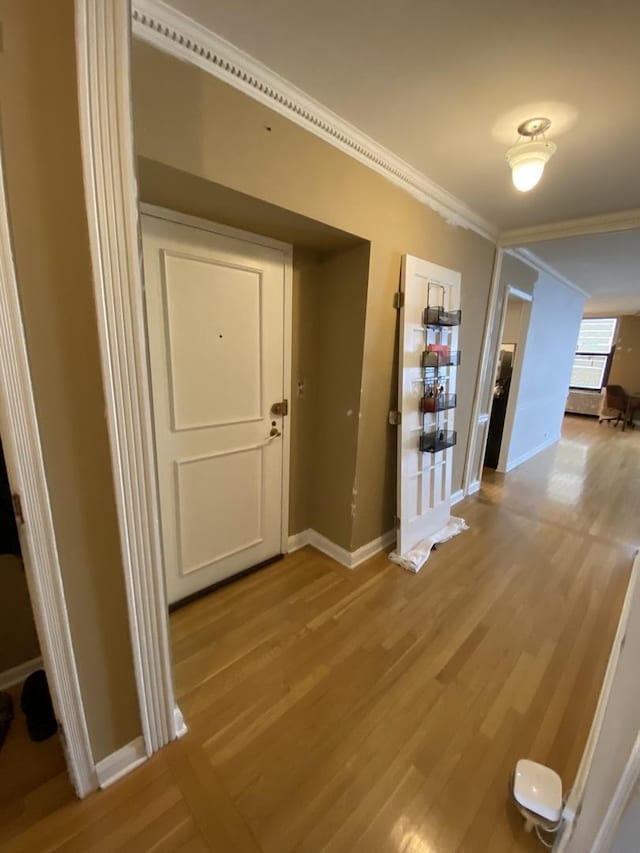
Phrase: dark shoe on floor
x=6 y=715
x=36 y=704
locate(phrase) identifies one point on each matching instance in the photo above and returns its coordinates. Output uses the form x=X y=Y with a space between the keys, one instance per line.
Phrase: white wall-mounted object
x=582 y=402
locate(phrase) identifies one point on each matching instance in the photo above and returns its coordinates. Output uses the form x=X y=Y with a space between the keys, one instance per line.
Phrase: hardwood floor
x=33 y=776
x=375 y=710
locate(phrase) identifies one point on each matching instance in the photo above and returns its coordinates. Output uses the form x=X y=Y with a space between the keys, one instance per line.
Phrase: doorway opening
x=514 y=327
x=31 y=750
x=304 y=372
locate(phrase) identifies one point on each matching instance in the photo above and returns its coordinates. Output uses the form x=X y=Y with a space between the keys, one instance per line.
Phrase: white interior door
x=424 y=479
x=216 y=313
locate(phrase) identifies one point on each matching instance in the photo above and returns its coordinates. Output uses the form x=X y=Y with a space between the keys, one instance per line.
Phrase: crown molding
x=176 y=34
x=623 y=220
x=537 y=263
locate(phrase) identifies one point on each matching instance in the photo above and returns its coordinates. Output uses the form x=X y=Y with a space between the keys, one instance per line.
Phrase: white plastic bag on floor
x=415 y=559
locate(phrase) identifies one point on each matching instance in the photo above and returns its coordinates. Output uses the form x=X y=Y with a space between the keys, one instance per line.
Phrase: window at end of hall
x=593 y=353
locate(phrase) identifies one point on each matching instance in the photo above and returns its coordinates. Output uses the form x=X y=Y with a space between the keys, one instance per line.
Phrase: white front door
x=426 y=391
x=216 y=313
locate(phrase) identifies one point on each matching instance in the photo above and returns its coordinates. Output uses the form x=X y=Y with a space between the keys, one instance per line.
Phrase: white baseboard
x=456 y=497
x=336 y=552
x=473 y=488
x=179 y=723
x=120 y=762
x=513 y=463
x=18 y=673
x=371 y=548
x=350 y=559
x=299 y=540
x=628 y=780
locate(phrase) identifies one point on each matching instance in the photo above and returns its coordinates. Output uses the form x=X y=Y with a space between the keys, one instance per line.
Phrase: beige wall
x=18 y=638
x=187 y=119
x=49 y=229
x=329 y=301
x=340 y=328
x=625 y=367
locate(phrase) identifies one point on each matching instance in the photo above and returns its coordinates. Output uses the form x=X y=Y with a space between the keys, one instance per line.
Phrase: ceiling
x=444 y=85
x=607 y=266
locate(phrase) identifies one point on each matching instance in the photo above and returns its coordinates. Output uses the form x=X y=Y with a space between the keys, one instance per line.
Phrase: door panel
x=215 y=523
x=424 y=479
x=215 y=318
x=204 y=299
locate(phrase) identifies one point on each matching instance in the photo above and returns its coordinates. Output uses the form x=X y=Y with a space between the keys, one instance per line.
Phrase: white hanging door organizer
x=429 y=355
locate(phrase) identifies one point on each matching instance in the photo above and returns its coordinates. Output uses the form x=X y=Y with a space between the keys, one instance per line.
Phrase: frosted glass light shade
x=525 y=175
x=527 y=161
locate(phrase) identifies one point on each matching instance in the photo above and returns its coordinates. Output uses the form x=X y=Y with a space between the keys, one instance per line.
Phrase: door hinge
x=280 y=409
x=396 y=522
x=395 y=418
x=398 y=299
x=17 y=507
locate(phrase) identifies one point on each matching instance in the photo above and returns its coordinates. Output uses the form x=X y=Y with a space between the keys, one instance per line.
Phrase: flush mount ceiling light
x=528 y=158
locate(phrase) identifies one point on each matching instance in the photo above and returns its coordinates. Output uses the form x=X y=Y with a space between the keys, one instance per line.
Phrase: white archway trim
x=25 y=466
x=106 y=130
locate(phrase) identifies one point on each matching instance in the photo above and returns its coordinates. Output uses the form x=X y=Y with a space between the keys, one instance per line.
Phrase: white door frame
x=481 y=410
x=25 y=467
x=103 y=36
x=287 y=256
x=106 y=132
x=492 y=338
x=514 y=388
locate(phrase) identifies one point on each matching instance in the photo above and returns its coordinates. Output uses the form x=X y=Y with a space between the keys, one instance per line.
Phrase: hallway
x=374 y=710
